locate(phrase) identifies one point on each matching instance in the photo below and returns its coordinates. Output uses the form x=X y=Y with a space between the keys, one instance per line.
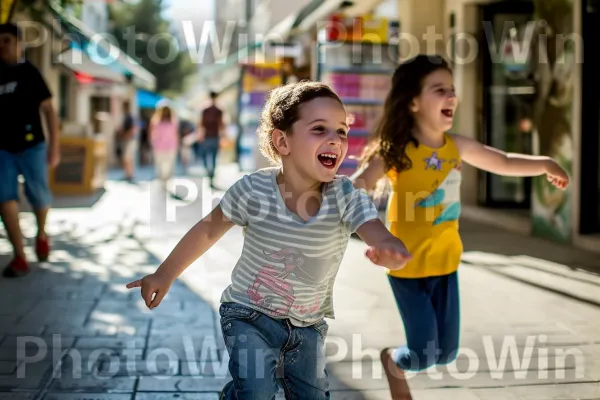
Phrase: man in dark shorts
x=23 y=147
x=213 y=127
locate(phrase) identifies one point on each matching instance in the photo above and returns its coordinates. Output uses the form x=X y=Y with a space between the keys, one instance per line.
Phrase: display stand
x=257 y=81
x=82 y=169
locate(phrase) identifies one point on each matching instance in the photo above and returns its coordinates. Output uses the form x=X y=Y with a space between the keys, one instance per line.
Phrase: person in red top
x=212 y=127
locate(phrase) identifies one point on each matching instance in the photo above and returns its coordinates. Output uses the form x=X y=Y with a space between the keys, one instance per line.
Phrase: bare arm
x=196 y=242
x=509 y=164
x=367 y=177
x=49 y=114
x=384 y=248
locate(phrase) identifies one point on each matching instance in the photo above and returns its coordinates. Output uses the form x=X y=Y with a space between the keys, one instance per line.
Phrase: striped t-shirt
x=288 y=266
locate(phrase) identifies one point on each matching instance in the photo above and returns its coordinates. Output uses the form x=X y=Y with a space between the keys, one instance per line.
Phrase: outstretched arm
x=384 y=248
x=509 y=164
x=195 y=243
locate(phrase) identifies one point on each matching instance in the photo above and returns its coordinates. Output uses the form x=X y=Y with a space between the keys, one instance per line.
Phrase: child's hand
x=154 y=288
x=556 y=175
x=389 y=255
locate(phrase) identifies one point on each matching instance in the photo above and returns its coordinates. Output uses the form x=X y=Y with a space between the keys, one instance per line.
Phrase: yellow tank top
x=424 y=208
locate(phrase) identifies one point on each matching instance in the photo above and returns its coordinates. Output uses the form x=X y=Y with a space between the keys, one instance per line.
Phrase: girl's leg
x=413 y=298
x=253 y=341
x=446 y=302
x=418 y=316
x=305 y=376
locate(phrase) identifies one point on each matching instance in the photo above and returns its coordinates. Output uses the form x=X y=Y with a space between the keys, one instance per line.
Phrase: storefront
x=523 y=87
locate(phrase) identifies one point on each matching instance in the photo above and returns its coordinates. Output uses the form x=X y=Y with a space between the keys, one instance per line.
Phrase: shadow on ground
x=71 y=329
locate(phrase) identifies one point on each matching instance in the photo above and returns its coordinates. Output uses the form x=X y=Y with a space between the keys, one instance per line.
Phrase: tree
x=144 y=35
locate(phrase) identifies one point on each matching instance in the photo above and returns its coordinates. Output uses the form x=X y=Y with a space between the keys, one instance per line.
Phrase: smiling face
x=434 y=108
x=318 y=141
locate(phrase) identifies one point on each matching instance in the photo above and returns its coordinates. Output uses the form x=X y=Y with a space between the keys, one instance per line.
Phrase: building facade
x=520 y=78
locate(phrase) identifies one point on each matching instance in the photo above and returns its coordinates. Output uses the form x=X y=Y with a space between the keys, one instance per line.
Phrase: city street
x=70 y=330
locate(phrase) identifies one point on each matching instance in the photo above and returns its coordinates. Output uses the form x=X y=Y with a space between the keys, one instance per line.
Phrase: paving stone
x=86 y=396
x=94 y=384
x=110 y=343
x=184 y=347
x=39 y=342
x=124 y=367
x=8 y=383
x=581 y=391
x=181 y=384
x=196 y=368
x=368 y=395
x=176 y=396
x=17 y=396
x=33 y=328
x=73 y=329
x=7 y=367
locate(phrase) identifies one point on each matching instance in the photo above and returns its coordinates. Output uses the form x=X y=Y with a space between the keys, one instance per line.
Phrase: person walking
x=129 y=142
x=212 y=128
x=164 y=138
x=23 y=147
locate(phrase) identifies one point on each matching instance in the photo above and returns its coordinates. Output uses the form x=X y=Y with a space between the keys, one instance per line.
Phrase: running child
x=423 y=163
x=298 y=218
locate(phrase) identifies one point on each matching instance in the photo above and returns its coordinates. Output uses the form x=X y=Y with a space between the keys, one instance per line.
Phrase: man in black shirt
x=23 y=147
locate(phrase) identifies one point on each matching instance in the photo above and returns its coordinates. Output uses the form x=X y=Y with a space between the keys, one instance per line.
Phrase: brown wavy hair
x=394 y=129
x=282 y=110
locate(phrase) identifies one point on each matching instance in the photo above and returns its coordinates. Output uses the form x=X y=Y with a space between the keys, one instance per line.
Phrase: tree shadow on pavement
x=71 y=326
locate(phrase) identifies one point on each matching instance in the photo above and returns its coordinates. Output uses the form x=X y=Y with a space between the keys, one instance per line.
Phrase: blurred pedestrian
x=23 y=147
x=163 y=134
x=129 y=142
x=212 y=128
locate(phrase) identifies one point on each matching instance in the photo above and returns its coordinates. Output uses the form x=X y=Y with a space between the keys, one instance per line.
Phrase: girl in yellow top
x=423 y=163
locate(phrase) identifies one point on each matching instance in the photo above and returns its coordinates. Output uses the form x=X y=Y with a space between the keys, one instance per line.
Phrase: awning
x=319 y=10
x=77 y=60
x=101 y=52
x=146 y=99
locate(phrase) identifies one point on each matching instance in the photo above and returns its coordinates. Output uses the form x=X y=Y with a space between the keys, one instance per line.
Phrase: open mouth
x=448 y=113
x=328 y=160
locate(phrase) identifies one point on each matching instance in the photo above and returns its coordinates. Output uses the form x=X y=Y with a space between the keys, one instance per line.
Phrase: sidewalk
x=516 y=295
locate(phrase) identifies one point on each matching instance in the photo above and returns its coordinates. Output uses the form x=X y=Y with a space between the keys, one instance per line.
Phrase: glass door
x=508 y=93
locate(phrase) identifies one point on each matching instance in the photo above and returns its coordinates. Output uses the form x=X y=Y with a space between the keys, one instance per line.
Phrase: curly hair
x=394 y=130
x=281 y=111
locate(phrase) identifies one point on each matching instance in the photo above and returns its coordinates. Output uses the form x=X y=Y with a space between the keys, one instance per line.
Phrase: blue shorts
x=32 y=164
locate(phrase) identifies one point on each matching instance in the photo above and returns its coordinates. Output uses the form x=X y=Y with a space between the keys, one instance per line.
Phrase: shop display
x=257 y=81
x=357 y=57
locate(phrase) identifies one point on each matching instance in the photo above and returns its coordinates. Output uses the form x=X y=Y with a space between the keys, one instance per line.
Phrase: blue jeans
x=32 y=164
x=430 y=312
x=264 y=351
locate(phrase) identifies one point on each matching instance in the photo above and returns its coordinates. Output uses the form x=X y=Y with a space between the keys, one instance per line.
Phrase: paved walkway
x=531 y=322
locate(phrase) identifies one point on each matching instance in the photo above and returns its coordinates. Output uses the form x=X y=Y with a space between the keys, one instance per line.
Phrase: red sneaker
x=42 y=248
x=16 y=268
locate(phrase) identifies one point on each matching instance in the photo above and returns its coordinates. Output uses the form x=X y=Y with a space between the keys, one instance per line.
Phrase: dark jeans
x=430 y=312
x=264 y=351
x=209 y=151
